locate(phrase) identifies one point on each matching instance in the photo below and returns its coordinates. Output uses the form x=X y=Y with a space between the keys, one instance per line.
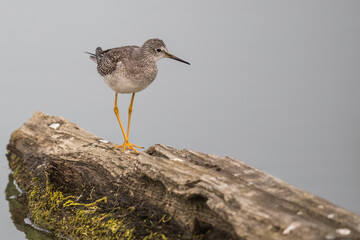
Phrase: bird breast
x=130 y=80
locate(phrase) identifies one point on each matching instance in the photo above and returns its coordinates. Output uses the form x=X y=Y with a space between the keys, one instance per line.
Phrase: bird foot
x=127 y=145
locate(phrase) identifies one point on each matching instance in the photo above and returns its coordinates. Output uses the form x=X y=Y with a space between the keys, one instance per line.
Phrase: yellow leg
x=126 y=143
x=116 y=110
x=130 y=111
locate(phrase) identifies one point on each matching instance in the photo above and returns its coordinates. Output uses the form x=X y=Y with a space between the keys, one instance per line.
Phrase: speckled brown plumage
x=130 y=69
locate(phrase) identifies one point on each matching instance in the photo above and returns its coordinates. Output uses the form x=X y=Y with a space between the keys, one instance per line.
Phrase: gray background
x=273 y=83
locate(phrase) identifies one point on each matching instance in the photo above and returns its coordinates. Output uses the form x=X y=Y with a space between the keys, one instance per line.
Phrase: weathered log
x=205 y=195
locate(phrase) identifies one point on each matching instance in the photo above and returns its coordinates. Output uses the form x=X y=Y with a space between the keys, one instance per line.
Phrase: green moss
x=50 y=209
x=14 y=164
x=19 y=170
x=157 y=236
x=65 y=216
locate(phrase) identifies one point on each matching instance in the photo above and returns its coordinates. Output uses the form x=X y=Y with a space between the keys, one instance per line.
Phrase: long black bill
x=176 y=58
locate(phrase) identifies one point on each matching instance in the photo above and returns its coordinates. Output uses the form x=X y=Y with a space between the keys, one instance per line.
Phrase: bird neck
x=146 y=57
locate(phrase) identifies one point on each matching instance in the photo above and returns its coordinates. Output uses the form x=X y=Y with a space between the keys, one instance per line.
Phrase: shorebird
x=130 y=69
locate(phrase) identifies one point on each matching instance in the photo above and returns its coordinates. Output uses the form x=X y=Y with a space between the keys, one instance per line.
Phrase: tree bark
x=206 y=195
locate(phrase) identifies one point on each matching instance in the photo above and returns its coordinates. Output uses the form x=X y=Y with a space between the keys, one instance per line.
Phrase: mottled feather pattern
x=108 y=60
x=131 y=69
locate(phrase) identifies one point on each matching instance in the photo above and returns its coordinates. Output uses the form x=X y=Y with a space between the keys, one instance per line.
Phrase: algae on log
x=77 y=185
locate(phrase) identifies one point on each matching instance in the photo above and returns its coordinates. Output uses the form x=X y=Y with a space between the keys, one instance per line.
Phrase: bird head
x=156 y=49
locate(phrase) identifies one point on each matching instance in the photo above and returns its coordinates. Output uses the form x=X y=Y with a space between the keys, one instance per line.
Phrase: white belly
x=122 y=84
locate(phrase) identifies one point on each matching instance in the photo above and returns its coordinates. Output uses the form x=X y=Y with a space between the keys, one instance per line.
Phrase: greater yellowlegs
x=130 y=69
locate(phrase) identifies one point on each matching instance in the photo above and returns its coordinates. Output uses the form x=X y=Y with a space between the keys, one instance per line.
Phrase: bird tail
x=91 y=54
x=95 y=57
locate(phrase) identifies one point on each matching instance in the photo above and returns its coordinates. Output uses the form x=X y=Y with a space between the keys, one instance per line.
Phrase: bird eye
x=158 y=50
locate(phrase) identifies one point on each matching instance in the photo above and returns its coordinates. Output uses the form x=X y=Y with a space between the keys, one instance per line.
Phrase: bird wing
x=109 y=59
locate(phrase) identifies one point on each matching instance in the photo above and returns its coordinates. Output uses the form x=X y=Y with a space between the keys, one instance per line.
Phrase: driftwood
x=207 y=196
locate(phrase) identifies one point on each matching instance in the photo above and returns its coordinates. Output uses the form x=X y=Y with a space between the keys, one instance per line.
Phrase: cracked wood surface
x=220 y=197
